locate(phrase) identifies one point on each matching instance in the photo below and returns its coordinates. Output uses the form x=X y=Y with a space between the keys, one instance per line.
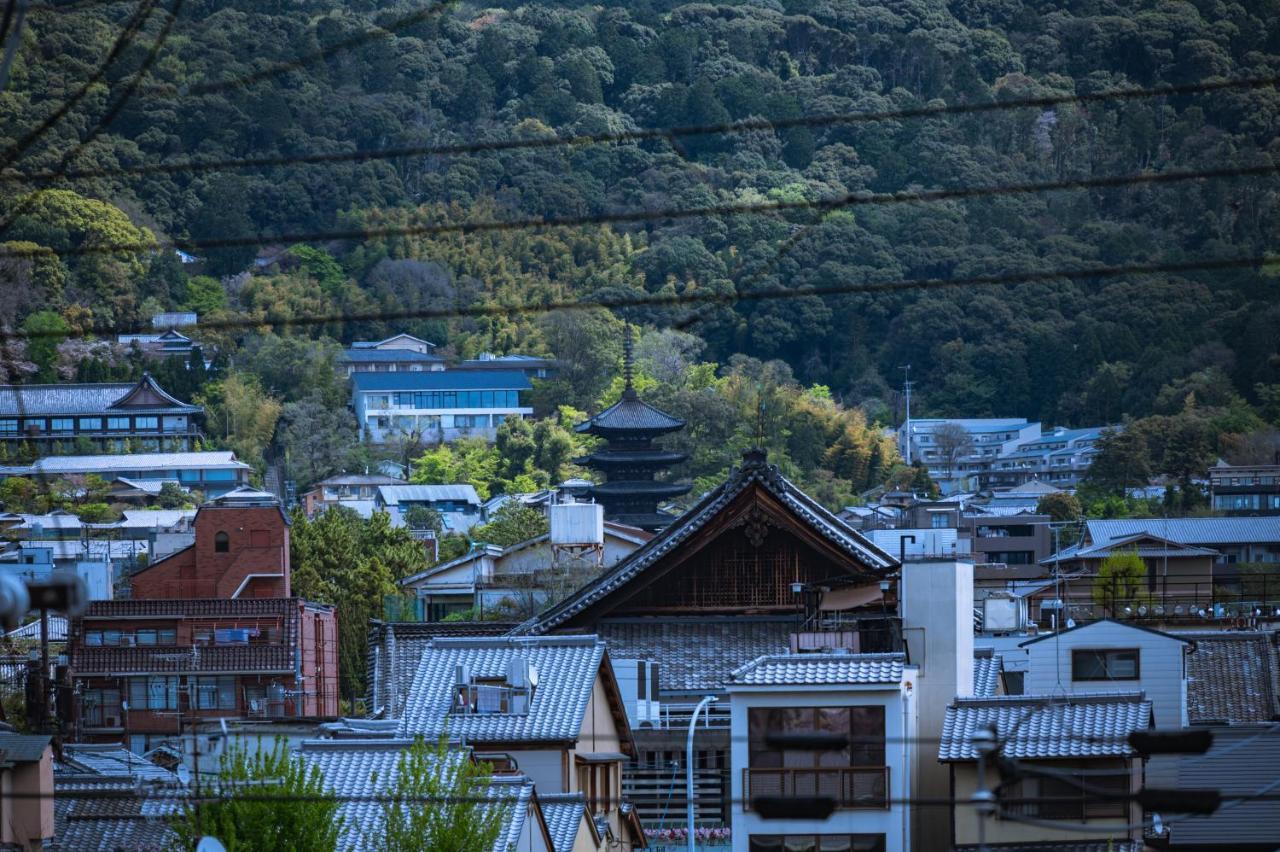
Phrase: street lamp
x=688 y=764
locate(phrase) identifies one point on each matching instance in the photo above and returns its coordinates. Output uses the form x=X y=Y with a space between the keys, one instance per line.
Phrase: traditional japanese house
x=756 y=567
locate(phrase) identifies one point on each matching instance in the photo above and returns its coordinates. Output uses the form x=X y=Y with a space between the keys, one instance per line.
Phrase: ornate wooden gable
x=739 y=551
x=148 y=394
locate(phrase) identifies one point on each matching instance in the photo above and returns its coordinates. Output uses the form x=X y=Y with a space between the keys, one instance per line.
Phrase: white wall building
x=1110 y=656
x=871 y=697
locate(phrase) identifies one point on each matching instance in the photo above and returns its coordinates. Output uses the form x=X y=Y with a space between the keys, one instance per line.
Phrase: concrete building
x=458 y=505
x=400 y=353
x=437 y=406
x=868 y=697
x=350 y=489
x=1245 y=489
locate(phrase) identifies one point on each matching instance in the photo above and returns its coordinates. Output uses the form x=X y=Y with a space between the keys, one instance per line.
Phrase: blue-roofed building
x=400 y=353
x=437 y=406
x=112 y=416
x=1060 y=458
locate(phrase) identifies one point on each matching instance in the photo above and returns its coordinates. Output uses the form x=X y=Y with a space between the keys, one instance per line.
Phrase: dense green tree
x=263 y=800
x=437 y=803
x=513 y=523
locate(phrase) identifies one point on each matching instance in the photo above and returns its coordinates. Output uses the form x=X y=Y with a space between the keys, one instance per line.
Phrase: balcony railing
x=851 y=787
x=676 y=716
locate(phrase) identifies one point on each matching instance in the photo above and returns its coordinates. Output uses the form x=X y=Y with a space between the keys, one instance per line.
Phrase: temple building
x=631 y=492
x=56 y=419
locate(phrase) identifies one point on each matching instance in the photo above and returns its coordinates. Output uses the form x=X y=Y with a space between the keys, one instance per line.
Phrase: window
x=816 y=843
x=151 y=423
x=8 y=426
x=155 y=692
x=1059 y=799
x=216 y=693
x=62 y=424
x=219 y=475
x=118 y=423
x=90 y=424
x=939 y=521
x=1104 y=664
x=101 y=708
x=221 y=542
x=854 y=774
x=175 y=424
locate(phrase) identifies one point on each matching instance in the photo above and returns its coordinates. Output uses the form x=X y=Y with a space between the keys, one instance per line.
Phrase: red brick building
x=210 y=632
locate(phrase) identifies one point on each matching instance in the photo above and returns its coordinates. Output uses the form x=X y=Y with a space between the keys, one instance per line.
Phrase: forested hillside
x=1067 y=351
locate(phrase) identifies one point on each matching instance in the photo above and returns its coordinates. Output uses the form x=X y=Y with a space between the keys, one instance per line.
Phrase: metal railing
x=851 y=787
x=1249 y=596
x=676 y=716
x=659 y=797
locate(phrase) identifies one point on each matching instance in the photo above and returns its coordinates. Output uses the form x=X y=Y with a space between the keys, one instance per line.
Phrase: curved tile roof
x=1081 y=725
x=631 y=413
x=820 y=670
x=566 y=666
x=754 y=470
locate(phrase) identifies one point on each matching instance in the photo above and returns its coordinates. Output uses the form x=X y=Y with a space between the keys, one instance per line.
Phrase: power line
x=745 y=126
x=855 y=199
x=131 y=28
x=704 y=298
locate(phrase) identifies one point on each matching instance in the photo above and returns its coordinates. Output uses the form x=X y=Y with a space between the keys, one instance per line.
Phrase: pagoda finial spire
x=628 y=361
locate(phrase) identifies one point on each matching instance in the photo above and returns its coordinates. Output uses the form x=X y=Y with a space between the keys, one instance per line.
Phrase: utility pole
x=906 y=390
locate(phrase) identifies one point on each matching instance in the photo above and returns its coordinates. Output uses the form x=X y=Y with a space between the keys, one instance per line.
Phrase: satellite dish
x=1071 y=622
x=210 y=844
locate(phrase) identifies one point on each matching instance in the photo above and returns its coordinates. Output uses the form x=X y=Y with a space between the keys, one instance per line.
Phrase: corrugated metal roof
x=567 y=667
x=1080 y=725
x=137 y=461
x=820 y=670
x=110 y=760
x=1242 y=762
x=442 y=380
x=1207 y=531
x=367 y=768
x=378 y=356
x=393 y=495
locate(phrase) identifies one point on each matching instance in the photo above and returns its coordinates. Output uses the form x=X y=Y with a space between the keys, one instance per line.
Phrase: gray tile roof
x=112 y=815
x=1242 y=762
x=1081 y=725
x=1233 y=678
x=396 y=648
x=47 y=400
x=368 y=768
x=1209 y=531
x=386 y=356
x=986 y=673
x=755 y=470
x=820 y=670
x=22 y=748
x=630 y=413
x=697 y=655
x=562 y=813
x=566 y=665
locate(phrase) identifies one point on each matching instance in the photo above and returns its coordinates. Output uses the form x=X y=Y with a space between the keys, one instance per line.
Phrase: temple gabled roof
x=755 y=471
x=630 y=414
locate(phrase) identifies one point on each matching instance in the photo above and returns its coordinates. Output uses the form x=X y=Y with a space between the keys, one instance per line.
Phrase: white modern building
x=436 y=406
x=868 y=698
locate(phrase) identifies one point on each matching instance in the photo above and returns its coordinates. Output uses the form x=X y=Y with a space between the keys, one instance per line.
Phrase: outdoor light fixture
x=797 y=588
